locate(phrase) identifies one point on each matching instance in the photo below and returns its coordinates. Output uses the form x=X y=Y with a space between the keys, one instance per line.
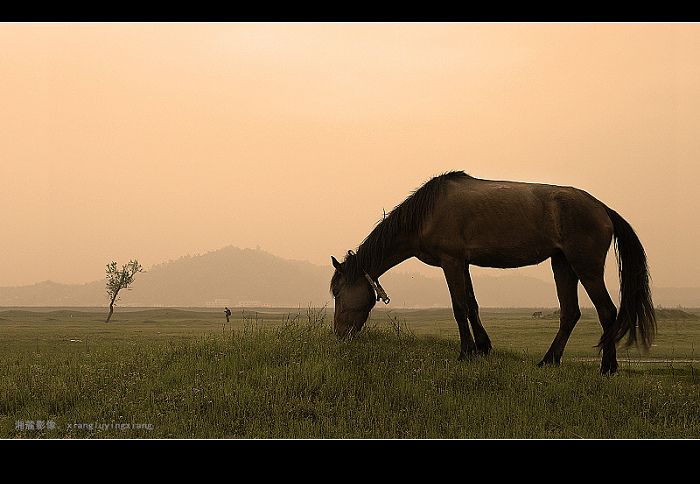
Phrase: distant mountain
x=49 y=293
x=233 y=276
x=229 y=276
x=246 y=277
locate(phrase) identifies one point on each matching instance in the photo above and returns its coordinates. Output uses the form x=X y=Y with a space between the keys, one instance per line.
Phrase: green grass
x=283 y=374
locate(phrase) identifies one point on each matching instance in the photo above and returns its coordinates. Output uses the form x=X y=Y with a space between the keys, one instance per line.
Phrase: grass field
x=281 y=373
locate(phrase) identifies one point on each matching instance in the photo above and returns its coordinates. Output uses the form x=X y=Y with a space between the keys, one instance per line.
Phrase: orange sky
x=154 y=141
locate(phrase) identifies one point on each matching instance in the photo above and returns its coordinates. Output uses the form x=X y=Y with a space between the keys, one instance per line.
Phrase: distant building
x=216 y=303
x=252 y=304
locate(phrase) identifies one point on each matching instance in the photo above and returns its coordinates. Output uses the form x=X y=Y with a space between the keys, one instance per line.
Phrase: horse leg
x=454 y=275
x=483 y=343
x=569 y=313
x=607 y=313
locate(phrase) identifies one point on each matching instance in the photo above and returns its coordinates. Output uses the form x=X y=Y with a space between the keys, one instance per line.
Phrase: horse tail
x=636 y=308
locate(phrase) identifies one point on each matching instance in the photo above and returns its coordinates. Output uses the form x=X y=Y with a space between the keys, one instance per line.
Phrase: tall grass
x=298 y=380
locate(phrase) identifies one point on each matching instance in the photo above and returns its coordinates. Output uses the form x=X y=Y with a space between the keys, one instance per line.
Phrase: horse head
x=354 y=297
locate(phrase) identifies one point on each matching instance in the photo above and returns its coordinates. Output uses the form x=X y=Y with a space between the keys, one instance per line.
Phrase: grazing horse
x=455 y=220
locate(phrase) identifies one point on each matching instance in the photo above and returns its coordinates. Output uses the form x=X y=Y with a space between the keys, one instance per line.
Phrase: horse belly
x=487 y=247
x=509 y=256
x=520 y=243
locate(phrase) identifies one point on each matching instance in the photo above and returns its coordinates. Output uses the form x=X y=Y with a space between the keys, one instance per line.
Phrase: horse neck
x=397 y=251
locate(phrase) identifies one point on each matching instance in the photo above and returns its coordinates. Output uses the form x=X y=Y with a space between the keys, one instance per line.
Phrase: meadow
x=281 y=373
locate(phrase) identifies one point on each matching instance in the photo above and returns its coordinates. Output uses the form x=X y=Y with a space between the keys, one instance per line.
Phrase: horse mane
x=405 y=219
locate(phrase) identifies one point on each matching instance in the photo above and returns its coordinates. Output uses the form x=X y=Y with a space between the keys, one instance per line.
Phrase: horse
x=455 y=220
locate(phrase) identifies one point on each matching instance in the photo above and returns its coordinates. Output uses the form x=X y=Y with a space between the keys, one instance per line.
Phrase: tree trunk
x=111 y=306
x=111 y=310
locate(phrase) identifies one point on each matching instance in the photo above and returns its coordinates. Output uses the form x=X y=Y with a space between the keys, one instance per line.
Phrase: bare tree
x=118 y=279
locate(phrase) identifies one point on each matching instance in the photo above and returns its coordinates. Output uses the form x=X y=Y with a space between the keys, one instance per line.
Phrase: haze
x=153 y=141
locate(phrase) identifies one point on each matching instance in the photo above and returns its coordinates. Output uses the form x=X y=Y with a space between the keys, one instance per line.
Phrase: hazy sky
x=154 y=141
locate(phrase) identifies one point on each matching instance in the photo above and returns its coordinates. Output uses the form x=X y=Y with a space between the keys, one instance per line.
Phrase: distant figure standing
x=227 y=312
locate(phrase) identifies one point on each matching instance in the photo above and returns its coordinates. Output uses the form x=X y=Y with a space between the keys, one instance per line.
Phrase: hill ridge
x=237 y=277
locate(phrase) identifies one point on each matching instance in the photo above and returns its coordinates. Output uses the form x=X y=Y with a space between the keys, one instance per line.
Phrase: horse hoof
x=547 y=361
x=608 y=369
x=465 y=356
x=484 y=350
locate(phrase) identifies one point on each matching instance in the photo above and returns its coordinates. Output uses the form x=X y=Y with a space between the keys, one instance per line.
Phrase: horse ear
x=336 y=264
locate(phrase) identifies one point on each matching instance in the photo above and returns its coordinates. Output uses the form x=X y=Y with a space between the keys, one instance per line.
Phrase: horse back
x=511 y=224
